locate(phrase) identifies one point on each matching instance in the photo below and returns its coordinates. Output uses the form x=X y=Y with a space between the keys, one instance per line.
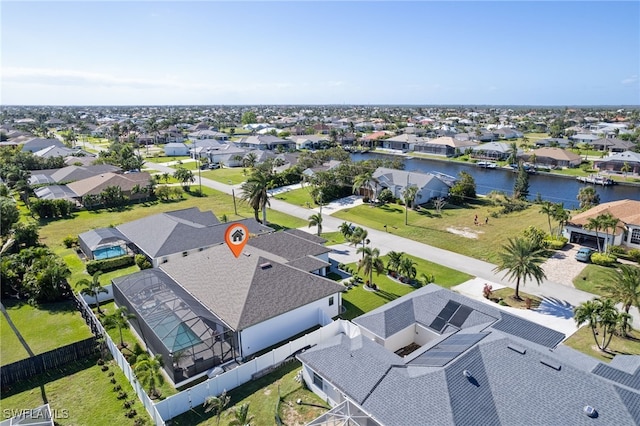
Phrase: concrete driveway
x=563 y=267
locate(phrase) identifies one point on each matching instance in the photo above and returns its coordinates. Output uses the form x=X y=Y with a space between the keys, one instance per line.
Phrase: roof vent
x=265 y=265
x=590 y=411
x=246 y=254
x=467 y=374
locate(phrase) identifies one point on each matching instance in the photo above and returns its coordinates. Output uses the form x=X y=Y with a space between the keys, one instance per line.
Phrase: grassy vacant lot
x=592 y=277
x=582 y=340
x=44 y=328
x=298 y=197
x=165 y=159
x=358 y=300
x=427 y=227
x=262 y=397
x=81 y=390
x=234 y=174
x=52 y=233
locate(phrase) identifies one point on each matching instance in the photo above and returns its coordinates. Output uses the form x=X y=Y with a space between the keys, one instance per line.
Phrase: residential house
x=616 y=162
x=126 y=182
x=429 y=185
x=586 y=138
x=445 y=146
x=60 y=151
x=37 y=144
x=401 y=142
x=329 y=165
x=507 y=133
x=69 y=174
x=309 y=141
x=552 y=157
x=626 y=233
x=264 y=142
x=175 y=149
x=209 y=308
x=492 y=151
x=612 y=145
x=437 y=357
x=554 y=142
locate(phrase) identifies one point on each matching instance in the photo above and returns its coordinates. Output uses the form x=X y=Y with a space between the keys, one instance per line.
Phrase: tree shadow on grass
x=386 y=295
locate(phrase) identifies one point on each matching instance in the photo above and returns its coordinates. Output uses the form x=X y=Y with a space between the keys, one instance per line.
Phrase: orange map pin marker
x=236 y=238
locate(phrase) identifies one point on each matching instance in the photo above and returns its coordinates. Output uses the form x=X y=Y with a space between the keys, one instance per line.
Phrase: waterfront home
x=492 y=151
x=552 y=157
x=429 y=185
x=612 y=145
x=444 y=145
x=628 y=160
x=264 y=142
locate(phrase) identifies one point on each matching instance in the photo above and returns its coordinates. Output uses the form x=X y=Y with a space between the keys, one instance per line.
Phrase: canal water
x=552 y=188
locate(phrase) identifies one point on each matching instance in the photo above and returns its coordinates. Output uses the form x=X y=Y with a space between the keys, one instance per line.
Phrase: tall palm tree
x=241 y=416
x=365 y=180
x=624 y=288
x=608 y=222
x=254 y=191
x=92 y=288
x=346 y=229
x=561 y=215
x=513 y=153
x=149 y=372
x=120 y=319
x=601 y=316
x=588 y=197
x=409 y=195
x=316 y=220
x=395 y=257
x=370 y=262
x=521 y=260
x=595 y=224
x=217 y=404
x=549 y=209
x=359 y=236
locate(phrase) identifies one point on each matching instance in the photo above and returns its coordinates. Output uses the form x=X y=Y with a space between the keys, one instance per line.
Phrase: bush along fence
x=50 y=360
x=195 y=396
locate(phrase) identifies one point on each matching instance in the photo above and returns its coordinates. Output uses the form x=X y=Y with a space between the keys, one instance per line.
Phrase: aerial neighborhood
x=403 y=264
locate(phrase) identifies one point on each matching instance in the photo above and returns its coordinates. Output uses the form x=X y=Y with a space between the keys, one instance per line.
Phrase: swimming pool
x=109 y=252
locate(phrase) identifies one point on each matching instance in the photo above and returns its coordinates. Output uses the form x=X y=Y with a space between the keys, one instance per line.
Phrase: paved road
x=387 y=241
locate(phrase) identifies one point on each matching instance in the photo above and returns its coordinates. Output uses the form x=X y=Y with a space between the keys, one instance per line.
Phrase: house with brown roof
x=126 y=182
x=444 y=145
x=626 y=233
x=552 y=157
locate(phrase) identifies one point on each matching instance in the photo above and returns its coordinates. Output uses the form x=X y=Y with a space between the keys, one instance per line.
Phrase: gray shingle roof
x=528 y=330
x=100 y=237
x=288 y=245
x=250 y=289
x=305 y=235
x=308 y=263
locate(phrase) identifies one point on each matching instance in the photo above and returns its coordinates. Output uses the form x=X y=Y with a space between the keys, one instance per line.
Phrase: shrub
x=100 y=361
x=122 y=395
x=386 y=196
x=616 y=250
x=113 y=379
x=141 y=422
x=104 y=368
x=634 y=254
x=70 y=241
x=365 y=200
x=602 y=259
x=142 y=261
x=555 y=243
x=117 y=388
x=131 y=413
x=106 y=265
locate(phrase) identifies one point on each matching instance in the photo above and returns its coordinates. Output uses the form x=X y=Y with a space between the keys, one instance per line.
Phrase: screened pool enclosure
x=172 y=323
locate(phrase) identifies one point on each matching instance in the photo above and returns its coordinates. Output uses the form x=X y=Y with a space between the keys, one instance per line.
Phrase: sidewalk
x=387 y=241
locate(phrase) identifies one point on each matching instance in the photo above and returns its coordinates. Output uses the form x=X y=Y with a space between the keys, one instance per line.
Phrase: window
x=635 y=236
x=317 y=380
x=331 y=301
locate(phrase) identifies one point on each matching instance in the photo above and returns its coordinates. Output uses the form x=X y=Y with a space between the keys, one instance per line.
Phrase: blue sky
x=332 y=52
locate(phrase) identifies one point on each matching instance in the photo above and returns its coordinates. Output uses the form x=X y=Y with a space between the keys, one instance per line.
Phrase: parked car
x=584 y=254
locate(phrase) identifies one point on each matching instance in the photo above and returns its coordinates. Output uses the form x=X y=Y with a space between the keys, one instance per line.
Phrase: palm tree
x=92 y=288
x=588 y=197
x=561 y=215
x=217 y=404
x=370 y=262
x=626 y=168
x=548 y=208
x=602 y=317
x=364 y=180
x=408 y=268
x=395 y=257
x=595 y=224
x=624 y=288
x=409 y=195
x=250 y=160
x=254 y=191
x=185 y=177
x=521 y=259
x=358 y=236
x=316 y=220
x=513 y=153
x=346 y=229
x=149 y=373
x=120 y=319
x=241 y=416
x=608 y=221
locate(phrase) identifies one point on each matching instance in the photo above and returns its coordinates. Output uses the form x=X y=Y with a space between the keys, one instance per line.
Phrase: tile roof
x=96 y=184
x=627 y=211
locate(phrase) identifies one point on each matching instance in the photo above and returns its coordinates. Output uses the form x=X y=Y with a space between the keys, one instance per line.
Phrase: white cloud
x=630 y=80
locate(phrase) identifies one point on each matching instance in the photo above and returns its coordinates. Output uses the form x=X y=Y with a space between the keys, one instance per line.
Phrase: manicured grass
x=236 y=175
x=298 y=197
x=333 y=238
x=427 y=227
x=53 y=232
x=80 y=394
x=582 y=340
x=78 y=270
x=358 y=300
x=506 y=294
x=592 y=277
x=165 y=159
x=46 y=327
x=11 y=349
x=262 y=397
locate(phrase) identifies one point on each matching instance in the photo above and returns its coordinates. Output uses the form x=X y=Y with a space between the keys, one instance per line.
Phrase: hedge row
x=107 y=265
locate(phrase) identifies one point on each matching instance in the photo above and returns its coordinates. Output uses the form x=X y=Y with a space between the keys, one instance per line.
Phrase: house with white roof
x=429 y=185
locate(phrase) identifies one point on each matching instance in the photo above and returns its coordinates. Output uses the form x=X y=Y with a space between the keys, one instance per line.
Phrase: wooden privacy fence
x=56 y=358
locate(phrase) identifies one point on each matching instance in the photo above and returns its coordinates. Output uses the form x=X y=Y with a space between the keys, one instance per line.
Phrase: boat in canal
x=487 y=164
x=596 y=180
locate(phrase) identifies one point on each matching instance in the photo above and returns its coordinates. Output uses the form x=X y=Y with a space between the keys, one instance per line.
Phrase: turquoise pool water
x=109 y=252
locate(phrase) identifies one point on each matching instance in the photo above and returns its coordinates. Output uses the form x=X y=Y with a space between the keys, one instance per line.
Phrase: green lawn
x=358 y=300
x=53 y=232
x=262 y=397
x=298 y=197
x=333 y=238
x=592 y=277
x=80 y=394
x=236 y=175
x=165 y=159
x=582 y=340
x=44 y=328
x=427 y=227
x=11 y=350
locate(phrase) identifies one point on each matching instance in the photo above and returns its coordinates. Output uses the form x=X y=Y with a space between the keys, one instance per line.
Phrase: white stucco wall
x=330 y=395
x=401 y=339
x=277 y=329
x=423 y=335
